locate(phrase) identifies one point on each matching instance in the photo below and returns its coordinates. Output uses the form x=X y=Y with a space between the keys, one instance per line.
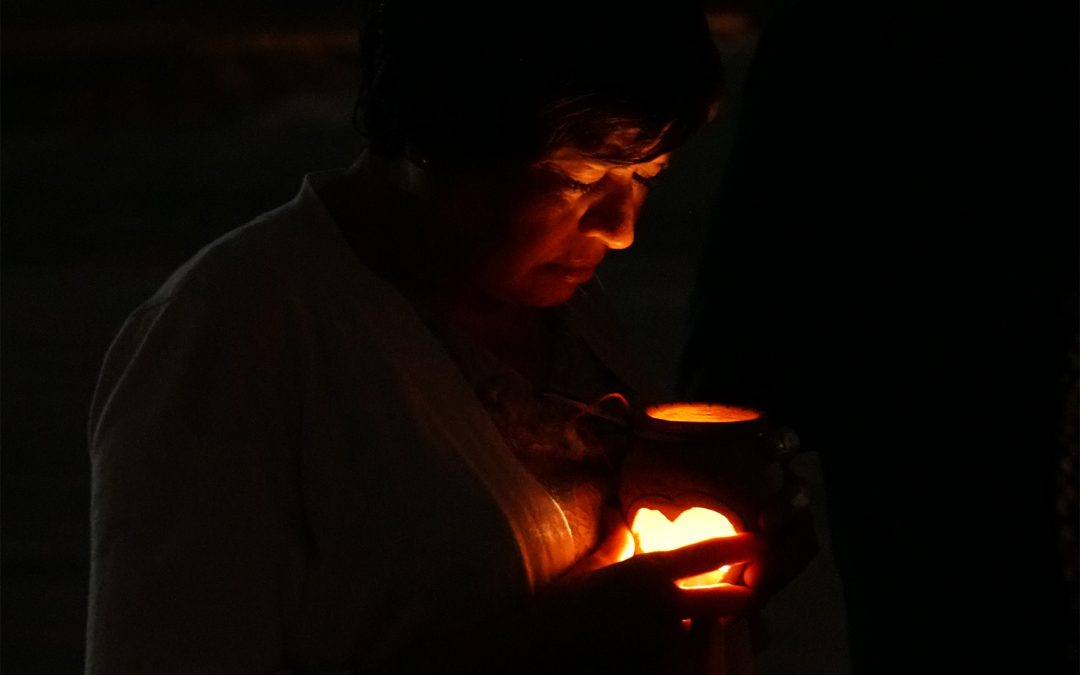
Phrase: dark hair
x=475 y=81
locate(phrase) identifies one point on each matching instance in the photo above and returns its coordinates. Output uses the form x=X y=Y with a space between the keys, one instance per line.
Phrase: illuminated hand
x=620 y=614
x=617 y=546
x=615 y=557
x=614 y=612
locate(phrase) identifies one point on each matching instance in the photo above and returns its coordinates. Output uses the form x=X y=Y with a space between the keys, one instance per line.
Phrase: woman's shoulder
x=256 y=304
x=259 y=294
x=290 y=251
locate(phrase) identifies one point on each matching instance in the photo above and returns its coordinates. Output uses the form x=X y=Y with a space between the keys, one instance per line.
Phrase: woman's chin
x=555 y=284
x=551 y=293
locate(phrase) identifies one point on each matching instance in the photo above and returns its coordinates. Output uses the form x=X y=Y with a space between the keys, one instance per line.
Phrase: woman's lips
x=577 y=273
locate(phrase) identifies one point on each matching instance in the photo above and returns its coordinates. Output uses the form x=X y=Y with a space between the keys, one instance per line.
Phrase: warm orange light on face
x=654 y=532
x=701 y=412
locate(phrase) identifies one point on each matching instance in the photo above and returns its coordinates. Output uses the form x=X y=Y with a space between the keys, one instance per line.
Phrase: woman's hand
x=620 y=614
x=616 y=598
x=613 y=612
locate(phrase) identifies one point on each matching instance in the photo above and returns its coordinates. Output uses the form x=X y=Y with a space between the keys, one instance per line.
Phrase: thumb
x=617 y=546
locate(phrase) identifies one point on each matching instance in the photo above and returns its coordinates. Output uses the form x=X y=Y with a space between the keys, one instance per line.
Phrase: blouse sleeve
x=196 y=533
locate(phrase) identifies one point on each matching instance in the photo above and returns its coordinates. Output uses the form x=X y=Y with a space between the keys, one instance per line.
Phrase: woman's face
x=544 y=232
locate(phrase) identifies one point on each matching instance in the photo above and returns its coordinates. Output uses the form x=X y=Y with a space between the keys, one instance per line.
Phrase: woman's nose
x=611 y=218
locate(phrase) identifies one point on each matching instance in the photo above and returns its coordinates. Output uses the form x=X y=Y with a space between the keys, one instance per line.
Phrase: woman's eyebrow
x=561 y=167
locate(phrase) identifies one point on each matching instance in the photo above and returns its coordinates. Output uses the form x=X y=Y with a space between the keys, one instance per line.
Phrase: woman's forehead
x=621 y=142
x=575 y=161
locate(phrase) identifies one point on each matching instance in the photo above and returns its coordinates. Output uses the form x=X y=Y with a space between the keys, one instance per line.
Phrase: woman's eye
x=578 y=186
x=647 y=181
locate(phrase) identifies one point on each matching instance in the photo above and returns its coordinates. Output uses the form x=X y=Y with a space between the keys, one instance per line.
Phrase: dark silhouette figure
x=893 y=272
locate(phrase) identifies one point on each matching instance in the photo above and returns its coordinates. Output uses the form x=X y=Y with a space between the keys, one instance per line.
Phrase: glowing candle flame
x=654 y=532
x=701 y=412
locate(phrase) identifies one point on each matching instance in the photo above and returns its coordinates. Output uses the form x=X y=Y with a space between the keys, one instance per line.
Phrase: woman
x=342 y=436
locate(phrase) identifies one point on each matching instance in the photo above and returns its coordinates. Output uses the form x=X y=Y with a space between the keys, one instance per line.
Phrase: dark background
x=130 y=138
x=893 y=272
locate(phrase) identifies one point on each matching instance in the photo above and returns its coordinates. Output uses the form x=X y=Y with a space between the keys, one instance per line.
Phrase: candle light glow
x=701 y=412
x=653 y=531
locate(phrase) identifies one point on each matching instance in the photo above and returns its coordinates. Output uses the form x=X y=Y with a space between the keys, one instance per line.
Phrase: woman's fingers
x=642 y=590
x=705 y=556
x=618 y=545
x=715 y=601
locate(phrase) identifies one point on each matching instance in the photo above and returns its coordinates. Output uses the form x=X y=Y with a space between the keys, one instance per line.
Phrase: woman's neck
x=378 y=205
x=521 y=337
